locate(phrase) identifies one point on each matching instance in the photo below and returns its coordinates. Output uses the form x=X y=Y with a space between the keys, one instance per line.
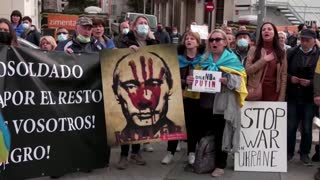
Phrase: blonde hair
x=283 y=33
x=50 y=39
x=224 y=35
x=134 y=24
x=196 y=35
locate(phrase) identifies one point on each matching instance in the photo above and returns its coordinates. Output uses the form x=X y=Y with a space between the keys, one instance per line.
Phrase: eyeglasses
x=61 y=33
x=215 y=39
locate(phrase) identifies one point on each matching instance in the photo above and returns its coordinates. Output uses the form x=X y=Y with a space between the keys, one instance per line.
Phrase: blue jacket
x=18 y=29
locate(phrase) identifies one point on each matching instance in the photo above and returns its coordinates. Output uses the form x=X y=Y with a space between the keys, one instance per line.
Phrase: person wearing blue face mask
x=302 y=61
x=62 y=34
x=139 y=35
x=30 y=32
x=82 y=41
x=242 y=45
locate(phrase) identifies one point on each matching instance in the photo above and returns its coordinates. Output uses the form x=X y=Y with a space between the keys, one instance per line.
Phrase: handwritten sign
x=263 y=137
x=206 y=81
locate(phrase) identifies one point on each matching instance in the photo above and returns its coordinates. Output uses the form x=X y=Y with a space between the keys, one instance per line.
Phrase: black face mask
x=159 y=28
x=5 y=38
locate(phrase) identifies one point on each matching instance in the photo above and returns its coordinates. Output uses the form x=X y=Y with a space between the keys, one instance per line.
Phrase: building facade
x=182 y=13
x=26 y=7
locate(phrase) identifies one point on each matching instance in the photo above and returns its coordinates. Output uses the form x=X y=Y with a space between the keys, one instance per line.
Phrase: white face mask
x=125 y=31
x=25 y=26
x=243 y=43
x=307 y=51
x=142 y=30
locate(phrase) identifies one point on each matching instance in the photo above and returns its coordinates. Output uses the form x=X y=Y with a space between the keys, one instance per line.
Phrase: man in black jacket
x=82 y=40
x=30 y=32
x=242 y=45
x=161 y=35
x=302 y=62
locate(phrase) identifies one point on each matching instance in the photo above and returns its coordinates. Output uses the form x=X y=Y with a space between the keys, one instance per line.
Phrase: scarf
x=183 y=62
x=229 y=63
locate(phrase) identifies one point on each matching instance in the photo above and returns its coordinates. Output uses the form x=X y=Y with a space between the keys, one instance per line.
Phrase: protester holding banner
x=7 y=37
x=302 y=62
x=47 y=43
x=139 y=35
x=98 y=33
x=82 y=40
x=189 y=55
x=226 y=117
x=267 y=63
x=7 y=33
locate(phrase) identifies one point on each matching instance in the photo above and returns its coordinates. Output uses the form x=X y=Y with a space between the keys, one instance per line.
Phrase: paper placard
x=201 y=29
x=206 y=81
x=263 y=137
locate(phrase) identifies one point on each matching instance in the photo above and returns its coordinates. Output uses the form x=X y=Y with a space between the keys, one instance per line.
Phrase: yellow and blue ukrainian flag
x=4 y=140
x=229 y=63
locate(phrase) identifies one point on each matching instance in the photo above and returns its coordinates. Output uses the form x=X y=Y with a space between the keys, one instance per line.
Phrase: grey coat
x=226 y=103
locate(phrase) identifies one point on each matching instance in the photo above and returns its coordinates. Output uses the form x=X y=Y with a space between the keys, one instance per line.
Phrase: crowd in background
x=282 y=63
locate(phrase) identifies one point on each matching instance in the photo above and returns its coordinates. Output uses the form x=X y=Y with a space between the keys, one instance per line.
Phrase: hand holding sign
x=190 y=79
x=207 y=81
x=224 y=80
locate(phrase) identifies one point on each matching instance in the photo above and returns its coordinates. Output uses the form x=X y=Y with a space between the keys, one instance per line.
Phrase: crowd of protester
x=284 y=62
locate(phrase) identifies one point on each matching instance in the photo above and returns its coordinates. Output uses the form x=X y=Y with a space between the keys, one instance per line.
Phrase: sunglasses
x=215 y=39
x=61 y=33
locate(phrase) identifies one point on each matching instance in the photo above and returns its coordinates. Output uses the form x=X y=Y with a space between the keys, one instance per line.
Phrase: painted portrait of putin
x=142 y=85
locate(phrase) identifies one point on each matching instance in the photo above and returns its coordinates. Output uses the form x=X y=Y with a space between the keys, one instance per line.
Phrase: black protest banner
x=263 y=137
x=53 y=105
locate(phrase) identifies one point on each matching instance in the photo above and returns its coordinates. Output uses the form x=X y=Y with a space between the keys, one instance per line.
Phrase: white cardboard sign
x=206 y=81
x=201 y=29
x=263 y=137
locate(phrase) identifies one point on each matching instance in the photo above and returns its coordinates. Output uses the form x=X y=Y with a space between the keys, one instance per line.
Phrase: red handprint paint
x=145 y=94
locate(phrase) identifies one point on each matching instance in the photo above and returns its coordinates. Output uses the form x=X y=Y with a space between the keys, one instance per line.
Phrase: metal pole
x=144 y=6
x=304 y=15
x=261 y=16
x=210 y=21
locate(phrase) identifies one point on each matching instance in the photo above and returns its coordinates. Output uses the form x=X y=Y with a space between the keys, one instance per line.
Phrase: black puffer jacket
x=303 y=66
x=32 y=35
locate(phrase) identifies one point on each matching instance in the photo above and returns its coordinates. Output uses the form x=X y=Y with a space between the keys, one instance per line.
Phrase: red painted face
x=143 y=88
x=144 y=94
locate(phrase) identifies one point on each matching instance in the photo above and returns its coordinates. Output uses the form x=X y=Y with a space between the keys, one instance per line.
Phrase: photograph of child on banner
x=150 y=102
x=4 y=140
